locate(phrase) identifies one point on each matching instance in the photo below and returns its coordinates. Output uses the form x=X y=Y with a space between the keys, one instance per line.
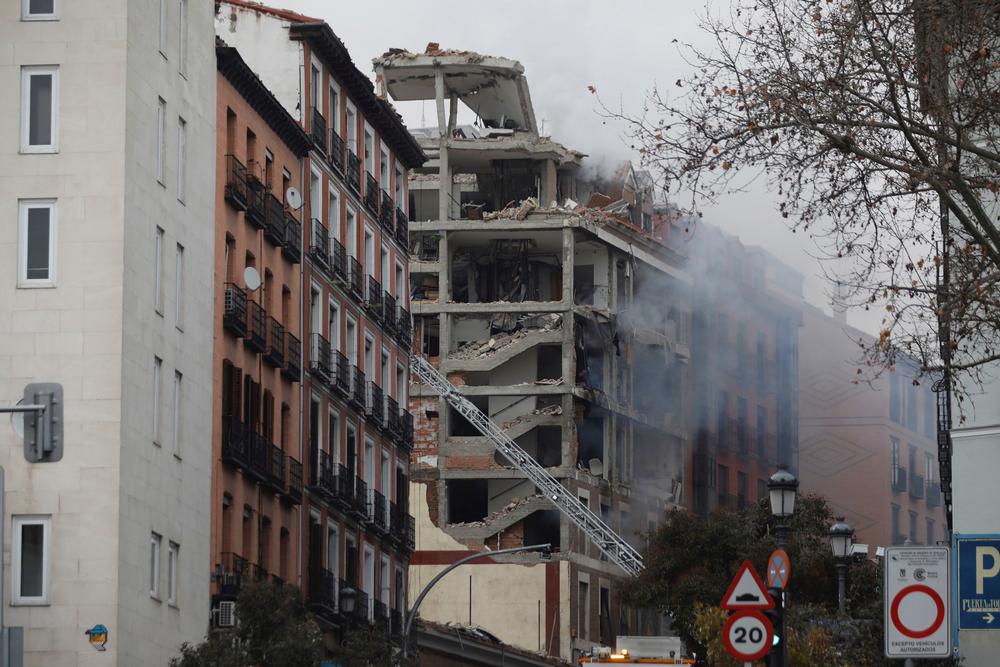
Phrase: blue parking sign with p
x=978 y=562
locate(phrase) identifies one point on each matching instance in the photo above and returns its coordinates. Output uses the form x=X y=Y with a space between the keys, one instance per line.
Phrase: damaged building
x=569 y=325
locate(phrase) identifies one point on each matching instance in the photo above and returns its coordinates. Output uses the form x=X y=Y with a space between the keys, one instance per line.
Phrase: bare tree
x=876 y=124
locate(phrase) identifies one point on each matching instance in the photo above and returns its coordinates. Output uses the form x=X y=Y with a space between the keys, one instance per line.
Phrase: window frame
x=157 y=392
x=181 y=159
x=26 y=14
x=17 y=522
x=27 y=72
x=23 y=206
x=182 y=37
x=155 y=547
x=177 y=441
x=158 y=270
x=161 y=141
x=162 y=36
x=173 y=568
x=179 y=287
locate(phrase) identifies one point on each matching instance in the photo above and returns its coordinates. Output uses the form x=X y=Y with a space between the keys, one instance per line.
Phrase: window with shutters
x=267 y=418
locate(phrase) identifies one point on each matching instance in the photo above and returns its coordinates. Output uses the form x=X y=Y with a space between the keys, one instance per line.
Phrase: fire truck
x=638 y=651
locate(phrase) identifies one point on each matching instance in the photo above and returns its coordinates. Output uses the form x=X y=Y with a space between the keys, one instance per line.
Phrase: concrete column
x=548 y=183
x=444 y=171
x=568 y=356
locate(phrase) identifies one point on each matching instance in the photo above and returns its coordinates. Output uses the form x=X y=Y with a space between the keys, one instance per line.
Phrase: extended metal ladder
x=608 y=541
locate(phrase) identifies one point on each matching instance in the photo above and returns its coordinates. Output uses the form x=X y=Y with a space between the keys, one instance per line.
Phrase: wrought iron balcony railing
x=319 y=245
x=274 y=219
x=353 y=171
x=373 y=297
x=404 y=327
x=318 y=130
x=392 y=422
x=371 y=193
x=336 y=151
x=235 y=446
x=230 y=572
x=293 y=356
x=916 y=485
x=236 y=183
x=389 y=312
x=378 y=512
x=357 y=395
x=933 y=494
x=361 y=499
x=402 y=229
x=255 y=200
x=338 y=260
x=354 y=271
x=386 y=213
x=345 y=484
x=374 y=403
x=275 y=468
x=234 y=313
x=256 y=338
x=898 y=478
x=342 y=384
x=294 y=483
x=324 y=592
x=291 y=247
x=320 y=361
x=275 y=343
x=406 y=429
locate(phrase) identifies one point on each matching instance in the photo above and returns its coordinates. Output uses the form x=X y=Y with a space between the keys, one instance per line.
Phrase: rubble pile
x=481 y=349
x=547 y=411
x=514 y=503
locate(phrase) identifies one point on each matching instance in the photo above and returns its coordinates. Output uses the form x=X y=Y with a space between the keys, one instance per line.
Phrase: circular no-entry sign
x=748 y=635
x=928 y=613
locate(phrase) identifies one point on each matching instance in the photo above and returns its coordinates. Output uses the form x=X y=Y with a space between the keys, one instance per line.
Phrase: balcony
x=392 y=423
x=373 y=297
x=362 y=609
x=357 y=395
x=275 y=343
x=385 y=214
x=274 y=468
x=344 y=480
x=396 y=622
x=389 y=312
x=402 y=527
x=342 y=374
x=323 y=591
x=898 y=478
x=235 y=449
x=360 y=504
x=259 y=453
x=255 y=201
x=405 y=429
x=933 y=494
x=256 y=338
x=916 y=486
x=230 y=572
x=320 y=359
x=338 y=261
x=374 y=403
x=404 y=327
x=319 y=246
x=354 y=274
x=234 y=310
x=380 y=613
x=402 y=229
x=371 y=194
x=354 y=172
x=291 y=248
x=274 y=219
x=293 y=355
x=336 y=152
x=378 y=512
x=236 y=183
x=294 y=483
x=318 y=130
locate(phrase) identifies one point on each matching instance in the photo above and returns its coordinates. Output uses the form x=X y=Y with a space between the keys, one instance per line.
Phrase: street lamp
x=781 y=488
x=544 y=549
x=841 y=538
x=348 y=597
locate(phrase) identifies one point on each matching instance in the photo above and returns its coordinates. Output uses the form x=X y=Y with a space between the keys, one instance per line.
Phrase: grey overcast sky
x=622 y=47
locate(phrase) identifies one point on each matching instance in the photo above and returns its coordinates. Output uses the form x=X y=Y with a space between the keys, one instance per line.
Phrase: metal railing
x=357 y=395
x=354 y=274
x=345 y=484
x=402 y=229
x=293 y=354
x=275 y=468
x=338 y=260
x=373 y=297
x=336 y=151
x=353 y=171
x=320 y=360
x=235 y=449
x=275 y=343
x=406 y=429
x=374 y=403
x=377 y=516
x=230 y=572
x=389 y=312
x=933 y=494
x=916 y=485
x=897 y=477
x=342 y=376
x=360 y=504
x=291 y=247
x=255 y=200
x=371 y=193
x=319 y=248
x=404 y=326
x=386 y=213
x=236 y=183
x=256 y=338
x=294 y=483
x=234 y=310
x=274 y=219
x=392 y=422
x=324 y=591
x=318 y=130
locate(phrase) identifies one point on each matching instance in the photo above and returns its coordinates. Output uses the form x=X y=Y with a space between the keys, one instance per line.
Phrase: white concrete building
x=107 y=140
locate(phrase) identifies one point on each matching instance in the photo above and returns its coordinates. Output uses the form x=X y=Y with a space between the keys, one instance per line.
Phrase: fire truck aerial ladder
x=608 y=541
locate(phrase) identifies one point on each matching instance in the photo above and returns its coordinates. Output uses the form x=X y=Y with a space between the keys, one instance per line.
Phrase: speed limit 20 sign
x=748 y=635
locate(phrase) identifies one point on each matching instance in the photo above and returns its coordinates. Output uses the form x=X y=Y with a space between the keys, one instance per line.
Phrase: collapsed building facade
x=567 y=325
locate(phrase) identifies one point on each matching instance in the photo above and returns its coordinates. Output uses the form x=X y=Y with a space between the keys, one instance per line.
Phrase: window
x=38 y=10
x=181 y=157
x=351 y=233
x=39 y=109
x=930 y=532
x=333 y=214
x=182 y=28
x=179 y=287
x=155 y=542
x=157 y=370
x=163 y=28
x=178 y=424
x=332 y=549
x=161 y=147
x=383 y=169
x=333 y=436
x=30 y=557
x=583 y=610
x=928 y=467
x=314 y=90
x=352 y=128
x=36 y=243
x=334 y=109
x=173 y=553
x=158 y=271
x=369 y=151
x=384 y=584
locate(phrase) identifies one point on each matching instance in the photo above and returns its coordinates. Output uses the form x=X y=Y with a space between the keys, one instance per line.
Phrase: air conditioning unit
x=225 y=614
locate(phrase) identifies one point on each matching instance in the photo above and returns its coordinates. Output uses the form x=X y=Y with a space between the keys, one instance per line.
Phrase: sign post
x=917 y=604
x=747 y=634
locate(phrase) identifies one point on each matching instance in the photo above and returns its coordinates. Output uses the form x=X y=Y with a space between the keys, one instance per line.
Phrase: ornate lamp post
x=841 y=539
x=782 y=489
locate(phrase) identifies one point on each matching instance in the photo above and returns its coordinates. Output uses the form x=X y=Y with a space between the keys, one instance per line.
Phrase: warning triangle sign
x=747 y=591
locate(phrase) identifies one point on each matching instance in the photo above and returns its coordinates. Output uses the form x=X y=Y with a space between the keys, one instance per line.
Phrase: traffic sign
x=778 y=569
x=916 y=602
x=746 y=591
x=747 y=635
x=978 y=582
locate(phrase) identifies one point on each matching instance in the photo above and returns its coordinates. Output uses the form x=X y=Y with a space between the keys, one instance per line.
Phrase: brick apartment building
x=351 y=305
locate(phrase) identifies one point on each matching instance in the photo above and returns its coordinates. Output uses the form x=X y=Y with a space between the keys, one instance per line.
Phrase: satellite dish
x=596 y=467
x=251 y=278
x=293 y=198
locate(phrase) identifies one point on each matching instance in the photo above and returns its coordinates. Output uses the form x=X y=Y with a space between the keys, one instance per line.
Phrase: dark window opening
x=459 y=425
x=590 y=439
x=542 y=527
x=468 y=500
x=549 y=362
x=583 y=285
x=430 y=336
